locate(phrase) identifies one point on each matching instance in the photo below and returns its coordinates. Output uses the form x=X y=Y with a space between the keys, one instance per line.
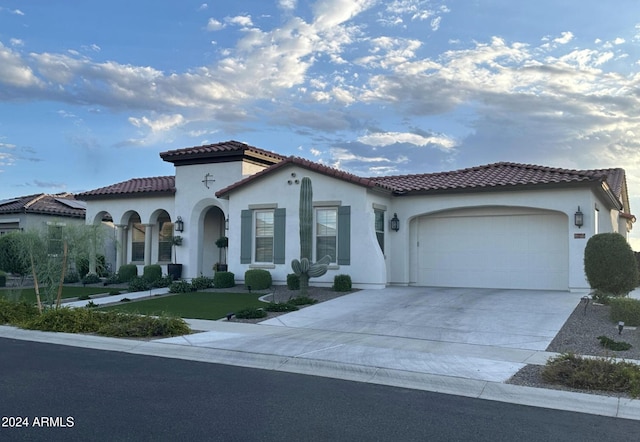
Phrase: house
x=50 y=211
x=34 y=211
x=501 y=225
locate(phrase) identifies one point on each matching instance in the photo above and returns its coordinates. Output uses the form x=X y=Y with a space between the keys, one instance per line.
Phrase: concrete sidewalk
x=395 y=342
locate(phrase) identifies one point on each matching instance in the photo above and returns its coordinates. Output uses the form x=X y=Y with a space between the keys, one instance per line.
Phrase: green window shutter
x=246 y=221
x=279 y=234
x=344 y=235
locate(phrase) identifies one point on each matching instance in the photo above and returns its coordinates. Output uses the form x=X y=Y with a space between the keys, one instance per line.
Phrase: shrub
x=10 y=251
x=164 y=281
x=127 y=272
x=16 y=312
x=601 y=297
x=342 y=283
x=610 y=265
x=626 y=310
x=202 y=282
x=251 y=313
x=180 y=286
x=138 y=284
x=71 y=276
x=152 y=273
x=293 y=281
x=82 y=265
x=113 y=279
x=66 y=320
x=82 y=320
x=224 y=280
x=302 y=300
x=257 y=279
x=593 y=374
x=91 y=278
x=128 y=325
x=613 y=345
x=3 y=279
x=282 y=307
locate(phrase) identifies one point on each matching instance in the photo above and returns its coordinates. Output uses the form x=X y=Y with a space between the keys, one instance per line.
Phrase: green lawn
x=29 y=294
x=196 y=305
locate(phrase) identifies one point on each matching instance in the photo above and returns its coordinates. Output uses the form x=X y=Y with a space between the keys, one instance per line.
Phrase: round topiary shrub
x=223 y=280
x=610 y=265
x=293 y=281
x=152 y=273
x=342 y=283
x=127 y=272
x=257 y=279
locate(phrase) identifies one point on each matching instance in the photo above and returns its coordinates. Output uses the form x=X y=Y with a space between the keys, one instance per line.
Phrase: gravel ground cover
x=579 y=335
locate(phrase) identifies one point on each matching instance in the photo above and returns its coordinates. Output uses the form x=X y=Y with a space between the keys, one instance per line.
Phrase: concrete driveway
x=473 y=334
x=522 y=319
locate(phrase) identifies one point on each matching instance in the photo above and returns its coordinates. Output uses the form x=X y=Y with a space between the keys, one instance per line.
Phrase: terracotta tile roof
x=219 y=151
x=309 y=165
x=61 y=204
x=153 y=186
x=496 y=175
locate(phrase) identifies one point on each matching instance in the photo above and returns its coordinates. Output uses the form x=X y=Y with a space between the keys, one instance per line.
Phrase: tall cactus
x=304 y=268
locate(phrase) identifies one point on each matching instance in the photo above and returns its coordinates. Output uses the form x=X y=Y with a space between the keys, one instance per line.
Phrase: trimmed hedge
x=610 y=265
x=223 y=280
x=257 y=279
x=127 y=272
x=3 y=279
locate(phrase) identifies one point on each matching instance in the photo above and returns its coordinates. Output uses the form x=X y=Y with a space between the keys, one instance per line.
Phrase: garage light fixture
x=620 y=327
x=578 y=218
x=179 y=225
x=394 y=223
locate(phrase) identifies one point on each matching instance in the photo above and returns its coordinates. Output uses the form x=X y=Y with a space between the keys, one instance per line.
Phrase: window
x=264 y=226
x=55 y=246
x=379 y=226
x=137 y=241
x=326 y=233
x=165 y=235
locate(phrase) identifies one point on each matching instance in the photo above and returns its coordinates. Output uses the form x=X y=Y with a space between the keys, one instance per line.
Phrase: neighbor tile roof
x=497 y=175
x=61 y=204
x=218 y=150
x=159 y=185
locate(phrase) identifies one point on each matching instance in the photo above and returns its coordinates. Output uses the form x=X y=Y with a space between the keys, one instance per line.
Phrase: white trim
x=263 y=206
x=327 y=203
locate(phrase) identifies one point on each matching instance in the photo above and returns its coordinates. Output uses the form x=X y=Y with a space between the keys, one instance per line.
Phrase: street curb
x=529 y=396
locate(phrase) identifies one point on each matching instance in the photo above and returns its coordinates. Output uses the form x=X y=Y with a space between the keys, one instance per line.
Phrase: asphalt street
x=68 y=393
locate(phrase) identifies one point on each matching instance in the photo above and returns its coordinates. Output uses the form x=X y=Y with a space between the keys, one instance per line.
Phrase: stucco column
x=121 y=253
x=148 y=232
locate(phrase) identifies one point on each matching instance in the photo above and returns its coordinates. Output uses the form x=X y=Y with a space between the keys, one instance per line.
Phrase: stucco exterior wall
x=367 y=265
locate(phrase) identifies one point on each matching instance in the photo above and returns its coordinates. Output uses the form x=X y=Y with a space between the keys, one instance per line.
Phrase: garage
x=498 y=247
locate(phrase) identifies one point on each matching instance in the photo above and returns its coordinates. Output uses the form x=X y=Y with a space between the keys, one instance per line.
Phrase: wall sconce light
x=226 y=224
x=578 y=218
x=620 y=327
x=394 y=223
x=179 y=225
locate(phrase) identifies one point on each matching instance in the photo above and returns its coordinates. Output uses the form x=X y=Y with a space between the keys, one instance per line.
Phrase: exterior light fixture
x=179 y=225
x=226 y=224
x=394 y=223
x=620 y=327
x=578 y=218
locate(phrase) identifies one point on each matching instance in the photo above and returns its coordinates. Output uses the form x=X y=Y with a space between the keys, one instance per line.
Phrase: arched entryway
x=213 y=227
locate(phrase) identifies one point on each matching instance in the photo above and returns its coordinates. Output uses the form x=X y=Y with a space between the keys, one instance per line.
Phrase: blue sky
x=92 y=91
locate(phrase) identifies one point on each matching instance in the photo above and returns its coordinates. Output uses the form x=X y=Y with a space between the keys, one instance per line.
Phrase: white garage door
x=500 y=248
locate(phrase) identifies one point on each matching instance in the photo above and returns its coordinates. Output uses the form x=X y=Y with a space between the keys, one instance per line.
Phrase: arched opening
x=213 y=227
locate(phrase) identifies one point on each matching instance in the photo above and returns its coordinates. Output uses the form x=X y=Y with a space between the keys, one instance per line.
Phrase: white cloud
x=389 y=138
x=287 y=5
x=203 y=7
x=14 y=71
x=16 y=42
x=565 y=37
x=240 y=20
x=214 y=25
x=161 y=124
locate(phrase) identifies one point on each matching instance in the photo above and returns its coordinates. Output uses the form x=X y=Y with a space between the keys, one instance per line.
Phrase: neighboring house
x=501 y=225
x=48 y=211
x=35 y=211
